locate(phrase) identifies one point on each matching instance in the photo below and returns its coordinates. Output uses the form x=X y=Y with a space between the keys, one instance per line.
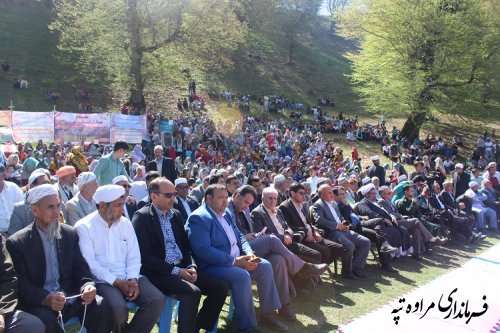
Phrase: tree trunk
x=136 y=99
x=411 y=128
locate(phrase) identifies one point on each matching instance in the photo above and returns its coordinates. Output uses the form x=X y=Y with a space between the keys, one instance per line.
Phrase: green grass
x=31 y=50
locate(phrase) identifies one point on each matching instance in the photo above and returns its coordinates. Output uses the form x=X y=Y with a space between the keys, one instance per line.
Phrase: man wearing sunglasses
x=167 y=260
x=130 y=205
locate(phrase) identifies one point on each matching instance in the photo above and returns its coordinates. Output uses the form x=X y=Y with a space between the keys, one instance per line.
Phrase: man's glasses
x=167 y=195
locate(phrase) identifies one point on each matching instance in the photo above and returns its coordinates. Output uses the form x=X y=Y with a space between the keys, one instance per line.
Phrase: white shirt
x=111 y=252
x=301 y=214
x=138 y=190
x=276 y=222
x=334 y=213
x=10 y=194
x=235 y=250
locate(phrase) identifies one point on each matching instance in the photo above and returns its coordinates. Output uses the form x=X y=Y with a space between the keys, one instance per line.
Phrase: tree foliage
x=139 y=44
x=419 y=56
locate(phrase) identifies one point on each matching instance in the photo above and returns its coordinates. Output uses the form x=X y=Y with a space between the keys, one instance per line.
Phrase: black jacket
x=27 y=253
x=168 y=169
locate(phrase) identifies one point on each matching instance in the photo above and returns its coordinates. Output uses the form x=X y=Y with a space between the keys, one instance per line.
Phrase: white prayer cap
x=108 y=193
x=118 y=179
x=342 y=180
x=84 y=178
x=402 y=178
x=180 y=181
x=470 y=194
x=158 y=147
x=472 y=184
x=35 y=174
x=40 y=192
x=375 y=158
x=278 y=179
x=366 y=180
x=459 y=165
x=367 y=188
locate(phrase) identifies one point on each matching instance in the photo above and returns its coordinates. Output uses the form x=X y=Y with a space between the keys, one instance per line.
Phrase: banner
x=33 y=126
x=166 y=126
x=130 y=129
x=6 y=127
x=75 y=127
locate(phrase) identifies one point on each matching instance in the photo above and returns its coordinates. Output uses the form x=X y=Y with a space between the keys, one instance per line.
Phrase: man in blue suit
x=221 y=250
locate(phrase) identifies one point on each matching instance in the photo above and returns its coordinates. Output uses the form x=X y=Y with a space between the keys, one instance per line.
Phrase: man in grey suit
x=199 y=191
x=327 y=216
x=21 y=215
x=82 y=204
x=270 y=248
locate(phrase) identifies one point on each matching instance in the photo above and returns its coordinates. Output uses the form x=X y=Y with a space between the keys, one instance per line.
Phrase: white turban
x=472 y=184
x=40 y=192
x=108 y=193
x=35 y=174
x=366 y=180
x=367 y=188
x=470 y=194
x=459 y=165
x=375 y=158
x=119 y=178
x=158 y=147
x=181 y=181
x=84 y=178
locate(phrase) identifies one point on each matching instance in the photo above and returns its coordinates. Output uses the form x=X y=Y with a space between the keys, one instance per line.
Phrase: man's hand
x=88 y=295
x=133 y=289
x=54 y=301
x=244 y=262
x=287 y=239
x=342 y=227
x=387 y=222
x=250 y=236
x=2 y=324
x=310 y=237
x=188 y=274
x=461 y=205
x=318 y=237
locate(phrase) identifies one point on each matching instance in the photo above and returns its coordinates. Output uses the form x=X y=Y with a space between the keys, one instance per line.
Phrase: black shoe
x=287 y=313
x=416 y=257
x=386 y=248
x=359 y=274
x=389 y=268
x=349 y=275
x=310 y=270
x=270 y=321
x=429 y=251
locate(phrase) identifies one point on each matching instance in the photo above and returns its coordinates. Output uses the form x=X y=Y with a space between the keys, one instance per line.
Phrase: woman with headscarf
x=137 y=155
x=78 y=160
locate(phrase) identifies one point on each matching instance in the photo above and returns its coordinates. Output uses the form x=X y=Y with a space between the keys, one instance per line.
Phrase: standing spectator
x=376 y=170
x=10 y=193
x=165 y=166
x=110 y=165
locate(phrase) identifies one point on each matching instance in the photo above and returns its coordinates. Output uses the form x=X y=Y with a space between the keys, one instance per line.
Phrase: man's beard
x=109 y=216
x=53 y=231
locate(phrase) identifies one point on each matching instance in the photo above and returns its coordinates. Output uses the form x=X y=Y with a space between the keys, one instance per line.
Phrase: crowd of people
x=91 y=227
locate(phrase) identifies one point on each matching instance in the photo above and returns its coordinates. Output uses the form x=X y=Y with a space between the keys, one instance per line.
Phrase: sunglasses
x=167 y=195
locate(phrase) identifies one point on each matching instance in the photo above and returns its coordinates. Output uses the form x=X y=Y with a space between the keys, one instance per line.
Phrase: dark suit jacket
x=8 y=282
x=180 y=207
x=144 y=202
x=168 y=169
x=131 y=207
x=261 y=219
x=292 y=216
x=28 y=256
x=367 y=208
x=152 y=243
x=447 y=200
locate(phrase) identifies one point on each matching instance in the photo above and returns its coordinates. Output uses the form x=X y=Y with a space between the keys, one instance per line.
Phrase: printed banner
x=33 y=126
x=130 y=129
x=75 y=127
x=6 y=126
x=166 y=126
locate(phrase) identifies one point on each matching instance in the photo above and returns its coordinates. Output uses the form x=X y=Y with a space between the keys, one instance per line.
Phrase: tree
x=417 y=57
x=136 y=44
x=293 y=18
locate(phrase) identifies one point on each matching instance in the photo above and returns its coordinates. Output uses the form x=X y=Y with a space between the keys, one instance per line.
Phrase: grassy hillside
x=30 y=49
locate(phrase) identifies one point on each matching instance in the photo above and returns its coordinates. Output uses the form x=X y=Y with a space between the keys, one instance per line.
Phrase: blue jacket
x=209 y=242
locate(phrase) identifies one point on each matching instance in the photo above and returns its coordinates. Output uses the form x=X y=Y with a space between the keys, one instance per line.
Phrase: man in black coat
x=11 y=319
x=183 y=203
x=376 y=170
x=47 y=258
x=167 y=262
x=461 y=180
x=164 y=165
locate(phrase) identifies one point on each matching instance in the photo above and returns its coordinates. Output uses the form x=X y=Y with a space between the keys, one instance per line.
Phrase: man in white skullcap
x=10 y=193
x=164 y=165
x=51 y=268
x=183 y=203
x=130 y=205
x=376 y=170
x=21 y=215
x=109 y=245
x=461 y=180
x=82 y=204
x=489 y=216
